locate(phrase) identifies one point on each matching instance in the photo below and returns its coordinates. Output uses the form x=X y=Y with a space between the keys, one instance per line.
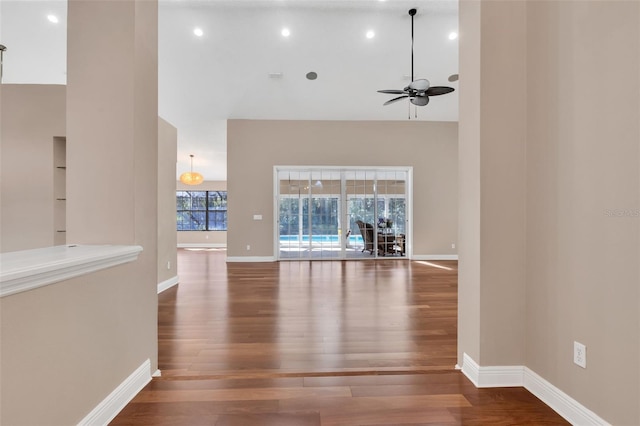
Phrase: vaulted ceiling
x=242 y=67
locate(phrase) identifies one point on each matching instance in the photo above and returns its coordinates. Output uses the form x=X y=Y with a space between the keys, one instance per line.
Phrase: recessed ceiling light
x=198 y=32
x=371 y=34
x=453 y=35
x=52 y=18
x=285 y=32
x=312 y=75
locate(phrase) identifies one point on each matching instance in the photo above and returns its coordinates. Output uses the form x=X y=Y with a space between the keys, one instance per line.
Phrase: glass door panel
x=361 y=214
x=392 y=219
x=291 y=200
x=324 y=215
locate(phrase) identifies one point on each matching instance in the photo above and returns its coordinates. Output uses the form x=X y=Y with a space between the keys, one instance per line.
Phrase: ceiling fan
x=418 y=91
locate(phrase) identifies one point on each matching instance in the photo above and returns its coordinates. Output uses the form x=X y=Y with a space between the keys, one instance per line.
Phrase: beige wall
x=167 y=252
x=469 y=182
x=583 y=164
x=493 y=136
x=64 y=345
x=549 y=165
x=67 y=346
x=32 y=115
x=202 y=238
x=254 y=147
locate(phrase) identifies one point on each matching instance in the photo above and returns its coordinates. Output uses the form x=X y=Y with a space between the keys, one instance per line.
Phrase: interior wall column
x=492 y=172
x=112 y=147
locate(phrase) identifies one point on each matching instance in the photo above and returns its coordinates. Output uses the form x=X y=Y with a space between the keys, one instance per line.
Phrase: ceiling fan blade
x=395 y=99
x=419 y=85
x=420 y=100
x=439 y=90
x=392 y=92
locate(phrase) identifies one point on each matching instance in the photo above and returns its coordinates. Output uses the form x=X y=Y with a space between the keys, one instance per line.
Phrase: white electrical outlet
x=580 y=354
x=168 y=264
x=248 y=247
x=453 y=245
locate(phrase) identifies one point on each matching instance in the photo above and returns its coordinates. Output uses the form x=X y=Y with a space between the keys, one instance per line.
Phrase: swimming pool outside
x=332 y=239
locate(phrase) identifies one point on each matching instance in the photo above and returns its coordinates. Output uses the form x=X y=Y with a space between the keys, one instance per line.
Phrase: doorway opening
x=328 y=213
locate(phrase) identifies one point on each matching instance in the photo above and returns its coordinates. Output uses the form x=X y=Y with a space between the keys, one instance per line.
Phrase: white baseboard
x=560 y=402
x=157 y=373
x=434 y=257
x=518 y=375
x=250 y=259
x=166 y=284
x=202 y=245
x=109 y=408
x=492 y=377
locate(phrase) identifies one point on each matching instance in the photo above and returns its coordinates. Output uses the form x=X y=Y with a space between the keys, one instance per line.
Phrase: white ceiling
x=225 y=73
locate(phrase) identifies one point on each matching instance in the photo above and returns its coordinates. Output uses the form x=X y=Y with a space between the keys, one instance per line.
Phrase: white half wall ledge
x=521 y=376
x=29 y=269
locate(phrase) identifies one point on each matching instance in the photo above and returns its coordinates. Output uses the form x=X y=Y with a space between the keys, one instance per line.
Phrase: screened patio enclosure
x=342 y=213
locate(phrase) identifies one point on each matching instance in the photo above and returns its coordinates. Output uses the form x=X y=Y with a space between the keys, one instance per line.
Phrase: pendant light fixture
x=3 y=49
x=191 y=178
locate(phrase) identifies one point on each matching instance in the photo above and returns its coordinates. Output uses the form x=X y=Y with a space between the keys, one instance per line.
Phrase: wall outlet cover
x=580 y=354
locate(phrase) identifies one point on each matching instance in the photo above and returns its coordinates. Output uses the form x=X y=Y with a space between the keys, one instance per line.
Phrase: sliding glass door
x=341 y=213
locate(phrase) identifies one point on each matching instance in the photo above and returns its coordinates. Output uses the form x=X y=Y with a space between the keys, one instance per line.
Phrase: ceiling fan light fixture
x=191 y=178
x=418 y=91
x=419 y=85
x=420 y=100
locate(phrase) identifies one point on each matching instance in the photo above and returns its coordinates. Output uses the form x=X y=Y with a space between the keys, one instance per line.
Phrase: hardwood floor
x=316 y=343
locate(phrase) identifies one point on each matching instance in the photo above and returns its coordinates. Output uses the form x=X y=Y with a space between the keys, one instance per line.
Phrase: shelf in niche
x=59 y=161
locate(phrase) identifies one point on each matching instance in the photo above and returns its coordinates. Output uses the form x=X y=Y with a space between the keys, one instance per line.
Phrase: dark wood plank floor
x=316 y=343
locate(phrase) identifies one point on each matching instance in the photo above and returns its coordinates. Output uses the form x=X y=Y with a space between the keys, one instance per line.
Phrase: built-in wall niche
x=59 y=190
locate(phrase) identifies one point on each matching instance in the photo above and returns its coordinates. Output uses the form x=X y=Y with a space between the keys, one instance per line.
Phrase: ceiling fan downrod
x=412 y=13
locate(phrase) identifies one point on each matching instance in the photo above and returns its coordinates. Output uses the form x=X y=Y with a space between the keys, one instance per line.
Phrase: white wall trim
x=29 y=269
x=232 y=259
x=434 y=257
x=560 y=402
x=471 y=369
x=167 y=284
x=109 y=408
x=492 y=377
x=510 y=376
x=202 y=245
